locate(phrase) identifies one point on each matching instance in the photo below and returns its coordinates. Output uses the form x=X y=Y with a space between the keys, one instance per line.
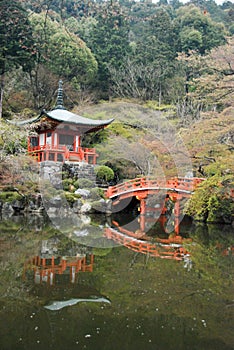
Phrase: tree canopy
x=109 y=49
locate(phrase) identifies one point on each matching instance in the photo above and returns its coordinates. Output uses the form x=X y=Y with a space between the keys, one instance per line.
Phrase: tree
x=61 y=53
x=135 y=153
x=197 y=31
x=150 y=62
x=16 y=40
x=211 y=82
x=109 y=40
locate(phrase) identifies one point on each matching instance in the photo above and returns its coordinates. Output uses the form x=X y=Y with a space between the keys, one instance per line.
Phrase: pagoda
x=57 y=134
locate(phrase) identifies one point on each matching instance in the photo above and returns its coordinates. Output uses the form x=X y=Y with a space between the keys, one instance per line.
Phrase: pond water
x=102 y=284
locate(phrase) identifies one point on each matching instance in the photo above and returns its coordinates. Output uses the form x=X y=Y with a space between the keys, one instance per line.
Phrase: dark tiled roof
x=62 y=115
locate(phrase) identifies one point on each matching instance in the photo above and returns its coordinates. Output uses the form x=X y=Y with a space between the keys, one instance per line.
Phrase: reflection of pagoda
x=49 y=265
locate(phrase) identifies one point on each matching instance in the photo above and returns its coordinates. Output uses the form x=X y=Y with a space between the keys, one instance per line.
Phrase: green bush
x=212 y=202
x=104 y=173
x=84 y=183
x=71 y=197
x=67 y=183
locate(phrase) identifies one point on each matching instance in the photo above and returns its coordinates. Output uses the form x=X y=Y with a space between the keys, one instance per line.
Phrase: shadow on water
x=83 y=289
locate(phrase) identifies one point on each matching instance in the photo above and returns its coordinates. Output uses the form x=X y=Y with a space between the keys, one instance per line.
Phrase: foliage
x=104 y=173
x=212 y=201
x=109 y=40
x=213 y=83
x=71 y=197
x=198 y=31
x=16 y=37
x=17 y=49
x=84 y=183
x=8 y=196
x=61 y=53
x=67 y=184
x=132 y=46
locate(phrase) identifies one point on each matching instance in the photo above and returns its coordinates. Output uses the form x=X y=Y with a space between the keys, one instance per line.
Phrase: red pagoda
x=57 y=134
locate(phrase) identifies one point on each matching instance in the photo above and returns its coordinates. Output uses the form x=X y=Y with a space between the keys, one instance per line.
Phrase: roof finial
x=59 y=102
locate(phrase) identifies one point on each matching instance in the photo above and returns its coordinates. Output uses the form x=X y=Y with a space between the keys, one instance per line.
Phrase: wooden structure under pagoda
x=57 y=134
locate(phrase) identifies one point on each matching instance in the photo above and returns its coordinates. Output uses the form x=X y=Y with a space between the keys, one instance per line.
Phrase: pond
x=99 y=283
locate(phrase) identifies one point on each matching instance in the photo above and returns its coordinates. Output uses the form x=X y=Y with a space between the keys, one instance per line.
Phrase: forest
x=146 y=59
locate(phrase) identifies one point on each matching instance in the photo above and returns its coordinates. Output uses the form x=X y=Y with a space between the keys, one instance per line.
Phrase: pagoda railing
x=61 y=153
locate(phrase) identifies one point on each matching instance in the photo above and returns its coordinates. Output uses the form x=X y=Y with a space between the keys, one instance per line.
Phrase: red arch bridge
x=173 y=189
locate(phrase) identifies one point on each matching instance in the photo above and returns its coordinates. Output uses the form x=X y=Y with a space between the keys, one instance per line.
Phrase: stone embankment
x=53 y=198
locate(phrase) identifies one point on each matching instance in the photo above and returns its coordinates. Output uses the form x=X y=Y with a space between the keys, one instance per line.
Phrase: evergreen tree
x=109 y=41
x=16 y=40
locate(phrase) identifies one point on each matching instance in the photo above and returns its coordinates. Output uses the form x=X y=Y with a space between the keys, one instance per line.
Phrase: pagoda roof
x=64 y=116
x=60 y=115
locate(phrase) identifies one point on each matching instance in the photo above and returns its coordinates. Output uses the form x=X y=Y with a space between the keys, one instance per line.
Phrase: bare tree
x=137 y=80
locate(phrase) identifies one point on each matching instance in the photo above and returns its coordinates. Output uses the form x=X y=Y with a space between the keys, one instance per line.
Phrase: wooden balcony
x=62 y=154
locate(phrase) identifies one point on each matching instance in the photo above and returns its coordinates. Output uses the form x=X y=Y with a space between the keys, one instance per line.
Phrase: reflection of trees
x=144 y=297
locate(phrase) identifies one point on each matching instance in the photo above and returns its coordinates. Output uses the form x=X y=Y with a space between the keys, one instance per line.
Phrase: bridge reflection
x=136 y=236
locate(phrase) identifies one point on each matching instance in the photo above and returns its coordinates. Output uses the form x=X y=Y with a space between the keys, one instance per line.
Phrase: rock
x=77 y=206
x=7 y=208
x=82 y=192
x=86 y=208
x=102 y=206
x=55 y=202
x=81 y=233
x=86 y=220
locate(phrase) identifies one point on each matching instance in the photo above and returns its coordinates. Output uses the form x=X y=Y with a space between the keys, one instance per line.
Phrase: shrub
x=212 y=202
x=104 y=173
x=71 y=197
x=67 y=183
x=84 y=183
x=96 y=193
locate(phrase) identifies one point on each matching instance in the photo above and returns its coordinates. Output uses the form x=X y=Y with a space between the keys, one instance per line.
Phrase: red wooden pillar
x=177 y=208
x=142 y=206
x=142 y=223
x=177 y=225
x=177 y=216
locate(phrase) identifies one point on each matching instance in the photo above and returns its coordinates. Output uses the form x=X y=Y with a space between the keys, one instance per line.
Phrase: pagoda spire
x=59 y=102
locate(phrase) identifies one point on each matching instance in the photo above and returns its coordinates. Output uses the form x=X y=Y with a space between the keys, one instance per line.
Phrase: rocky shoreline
x=56 y=205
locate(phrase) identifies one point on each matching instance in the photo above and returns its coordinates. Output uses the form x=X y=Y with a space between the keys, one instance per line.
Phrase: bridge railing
x=186 y=184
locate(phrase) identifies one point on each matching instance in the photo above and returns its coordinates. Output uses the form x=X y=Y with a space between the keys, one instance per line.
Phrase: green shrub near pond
x=212 y=201
x=104 y=173
x=71 y=197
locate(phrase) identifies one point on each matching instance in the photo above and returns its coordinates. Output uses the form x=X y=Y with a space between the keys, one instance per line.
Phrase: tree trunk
x=2 y=83
x=160 y=94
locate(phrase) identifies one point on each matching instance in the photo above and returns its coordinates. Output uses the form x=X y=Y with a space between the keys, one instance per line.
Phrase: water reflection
x=78 y=296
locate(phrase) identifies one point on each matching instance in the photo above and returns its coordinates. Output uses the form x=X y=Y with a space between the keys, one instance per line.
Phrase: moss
x=162 y=107
x=71 y=197
x=84 y=183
